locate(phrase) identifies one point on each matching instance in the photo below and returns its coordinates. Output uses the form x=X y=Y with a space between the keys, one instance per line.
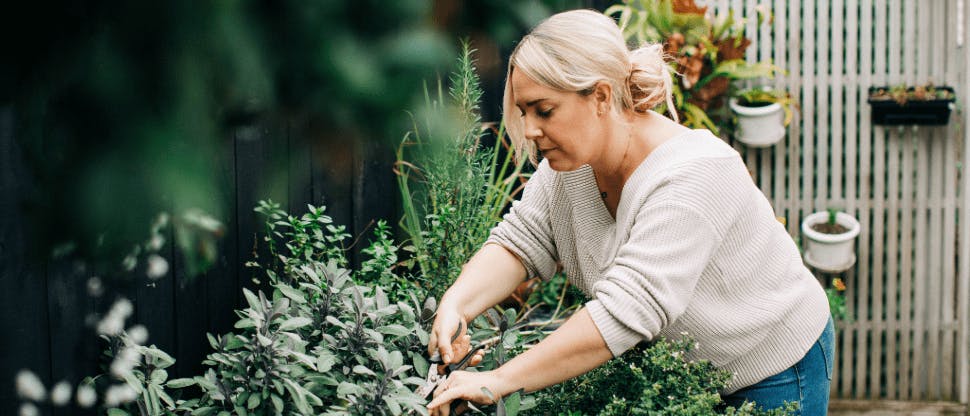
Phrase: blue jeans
x=805 y=383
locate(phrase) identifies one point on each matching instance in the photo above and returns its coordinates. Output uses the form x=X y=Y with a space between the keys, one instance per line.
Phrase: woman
x=659 y=224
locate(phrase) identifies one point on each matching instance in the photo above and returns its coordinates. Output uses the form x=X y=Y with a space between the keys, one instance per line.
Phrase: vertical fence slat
x=865 y=173
x=906 y=269
x=794 y=79
x=808 y=104
x=948 y=276
x=919 y=291
x=23 y=282
x=892 y=264
x=919 y=278
x=953 y=66
x=963 y=286
x=892 y=215
x=838 y=115
x=906 y=228
x=763 y=44
x=936 y=226
x=935 y=265
x=779 y=191
x=878 y=179
x=821 y=108
x=836 y=77
x=851 y=134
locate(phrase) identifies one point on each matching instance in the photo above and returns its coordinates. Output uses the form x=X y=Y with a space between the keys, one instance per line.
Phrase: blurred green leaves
x=127 y=109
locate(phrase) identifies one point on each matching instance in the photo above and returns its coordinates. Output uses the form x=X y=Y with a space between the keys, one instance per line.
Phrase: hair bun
x=650 y=80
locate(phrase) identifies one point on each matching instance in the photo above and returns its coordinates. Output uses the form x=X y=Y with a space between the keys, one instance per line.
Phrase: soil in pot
x=827 y=228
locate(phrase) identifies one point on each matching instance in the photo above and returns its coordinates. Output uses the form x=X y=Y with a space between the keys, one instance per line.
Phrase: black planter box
x=925 y=112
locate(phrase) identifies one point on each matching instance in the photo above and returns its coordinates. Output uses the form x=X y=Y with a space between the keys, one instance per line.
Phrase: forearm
x=489 y=277
x=573 y=349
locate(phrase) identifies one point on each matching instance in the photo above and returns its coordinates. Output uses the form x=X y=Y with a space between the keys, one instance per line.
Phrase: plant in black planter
x=761 y=115
x=901 y=104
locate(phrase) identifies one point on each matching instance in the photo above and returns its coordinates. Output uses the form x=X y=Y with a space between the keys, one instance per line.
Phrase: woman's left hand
x=465 y=385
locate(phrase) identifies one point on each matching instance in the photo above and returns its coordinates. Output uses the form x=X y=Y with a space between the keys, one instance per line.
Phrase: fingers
x=477 y=359
x=439 y=340
x=450 y=324
x=432 y=342
x=441 y=404
x=462 y=345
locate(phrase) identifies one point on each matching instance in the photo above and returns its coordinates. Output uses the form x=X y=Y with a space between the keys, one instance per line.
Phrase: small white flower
x=126 y=360
x=114 y=321
x=123 y=308
x=129 y=263
x=157 y=267
x=156 y=242
x=95 y=287
x=61 y=394
x=111 y=325
x=119 y=394
x=86 y=396
x=162 y=220
x=28 y=409
x=29 y=386
x=138 y=334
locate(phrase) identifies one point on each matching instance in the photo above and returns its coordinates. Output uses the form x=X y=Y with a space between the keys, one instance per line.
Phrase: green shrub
x=654 y=380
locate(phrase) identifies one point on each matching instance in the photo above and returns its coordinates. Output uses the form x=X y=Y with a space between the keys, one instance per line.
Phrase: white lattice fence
x=908 y=293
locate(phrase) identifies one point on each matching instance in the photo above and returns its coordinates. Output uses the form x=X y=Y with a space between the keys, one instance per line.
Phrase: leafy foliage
x=761 y=97
x=141 y=98
x=654 y=380
x=901 y=93
x=836 y=297
x=453 y=189
x=320 y=343
x=708 y=53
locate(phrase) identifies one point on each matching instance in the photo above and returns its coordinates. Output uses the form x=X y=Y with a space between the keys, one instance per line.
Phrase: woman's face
x=564 y=125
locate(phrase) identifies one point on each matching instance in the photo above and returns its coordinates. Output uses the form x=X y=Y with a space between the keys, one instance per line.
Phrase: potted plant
x=901 y=104
x=706 y=50
x=761 y=116
x=830 y=240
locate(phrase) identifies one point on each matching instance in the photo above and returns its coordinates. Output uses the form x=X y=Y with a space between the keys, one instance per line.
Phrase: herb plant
x=454 y=189
x=762 y=97
x=654 y=380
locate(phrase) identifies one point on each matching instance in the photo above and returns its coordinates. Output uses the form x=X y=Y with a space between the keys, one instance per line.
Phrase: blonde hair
x=573 y=51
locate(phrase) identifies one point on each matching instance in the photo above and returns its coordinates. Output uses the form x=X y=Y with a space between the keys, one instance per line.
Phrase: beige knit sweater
x=695 y=248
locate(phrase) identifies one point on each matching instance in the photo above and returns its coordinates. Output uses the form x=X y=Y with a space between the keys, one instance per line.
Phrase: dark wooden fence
x=45 y=306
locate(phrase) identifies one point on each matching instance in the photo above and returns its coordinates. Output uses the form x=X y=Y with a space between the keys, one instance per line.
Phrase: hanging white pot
x=759 y=126
x=832 y=253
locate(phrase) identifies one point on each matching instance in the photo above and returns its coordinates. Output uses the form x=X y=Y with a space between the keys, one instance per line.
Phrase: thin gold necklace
x=626 y=151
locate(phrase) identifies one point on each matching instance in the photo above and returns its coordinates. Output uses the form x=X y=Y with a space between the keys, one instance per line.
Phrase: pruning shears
x=435 y=378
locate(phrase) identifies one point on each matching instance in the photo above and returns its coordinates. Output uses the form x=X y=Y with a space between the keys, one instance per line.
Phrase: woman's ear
x=603 y=95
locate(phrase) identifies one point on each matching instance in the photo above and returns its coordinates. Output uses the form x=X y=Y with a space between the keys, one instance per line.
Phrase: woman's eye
x=544 y=113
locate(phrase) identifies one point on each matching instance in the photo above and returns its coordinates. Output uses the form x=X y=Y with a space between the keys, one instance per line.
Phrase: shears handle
x=463 y=364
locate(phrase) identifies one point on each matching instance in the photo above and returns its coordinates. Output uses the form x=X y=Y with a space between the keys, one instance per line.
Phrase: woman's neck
x=632 y=141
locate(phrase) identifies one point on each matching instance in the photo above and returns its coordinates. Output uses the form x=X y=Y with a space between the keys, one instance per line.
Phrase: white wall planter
x=759 y=126
x=832 y=253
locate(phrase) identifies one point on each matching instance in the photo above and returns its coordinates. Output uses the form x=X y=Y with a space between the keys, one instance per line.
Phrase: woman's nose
x=531 y=130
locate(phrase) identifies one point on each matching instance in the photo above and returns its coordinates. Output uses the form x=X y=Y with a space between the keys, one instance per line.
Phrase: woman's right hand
x=447 y=322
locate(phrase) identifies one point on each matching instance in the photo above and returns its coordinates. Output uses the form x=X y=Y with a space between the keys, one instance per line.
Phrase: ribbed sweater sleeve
x=526 y=231
x=653 y=276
